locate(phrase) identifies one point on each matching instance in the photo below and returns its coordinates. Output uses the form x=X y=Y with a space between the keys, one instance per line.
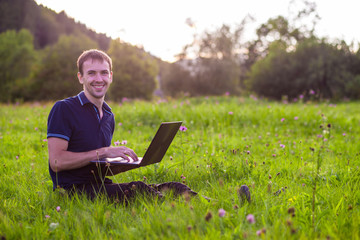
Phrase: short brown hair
x=93 y=54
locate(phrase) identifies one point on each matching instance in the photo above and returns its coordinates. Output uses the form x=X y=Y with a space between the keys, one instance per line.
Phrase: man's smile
x=99 y=86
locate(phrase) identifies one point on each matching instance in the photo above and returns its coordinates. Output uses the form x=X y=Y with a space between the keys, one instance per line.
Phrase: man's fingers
x=125 y=157
x=131 y=154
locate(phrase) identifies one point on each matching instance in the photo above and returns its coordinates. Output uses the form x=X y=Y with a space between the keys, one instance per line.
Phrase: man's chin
x=97 y=95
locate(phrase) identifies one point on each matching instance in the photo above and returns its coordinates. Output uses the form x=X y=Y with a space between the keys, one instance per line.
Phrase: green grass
x=229 y=142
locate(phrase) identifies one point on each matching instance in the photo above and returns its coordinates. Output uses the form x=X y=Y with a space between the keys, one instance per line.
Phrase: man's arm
x=60 y=159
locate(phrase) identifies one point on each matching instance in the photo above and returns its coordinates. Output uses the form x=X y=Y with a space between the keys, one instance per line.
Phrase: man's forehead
x=96 y=64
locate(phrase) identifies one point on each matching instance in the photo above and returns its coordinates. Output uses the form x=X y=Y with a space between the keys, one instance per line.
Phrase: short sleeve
x=58 y=124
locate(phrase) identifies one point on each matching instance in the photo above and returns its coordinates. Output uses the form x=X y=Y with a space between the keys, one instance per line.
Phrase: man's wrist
x=101 y=153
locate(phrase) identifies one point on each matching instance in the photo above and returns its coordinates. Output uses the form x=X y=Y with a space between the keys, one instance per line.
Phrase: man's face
x=96 y=79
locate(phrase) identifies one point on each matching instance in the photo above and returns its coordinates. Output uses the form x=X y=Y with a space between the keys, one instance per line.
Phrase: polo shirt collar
x=84 y=100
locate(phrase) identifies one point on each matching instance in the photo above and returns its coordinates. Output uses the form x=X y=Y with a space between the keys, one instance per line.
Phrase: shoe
x=244 y=193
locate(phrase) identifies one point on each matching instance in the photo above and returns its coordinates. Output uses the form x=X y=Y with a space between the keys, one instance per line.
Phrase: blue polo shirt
x=77 y=120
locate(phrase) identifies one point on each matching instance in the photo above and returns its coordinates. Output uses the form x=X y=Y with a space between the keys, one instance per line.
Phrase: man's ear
x=111 y=77
x=80 y=78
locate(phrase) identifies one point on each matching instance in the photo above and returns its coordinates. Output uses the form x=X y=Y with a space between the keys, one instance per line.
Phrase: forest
x=286 y=60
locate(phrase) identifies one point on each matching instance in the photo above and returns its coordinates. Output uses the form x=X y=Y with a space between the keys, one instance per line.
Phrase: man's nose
x=98 y=77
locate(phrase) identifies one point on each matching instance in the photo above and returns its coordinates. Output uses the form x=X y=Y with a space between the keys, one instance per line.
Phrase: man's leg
x=121 y=192
x=176 y=187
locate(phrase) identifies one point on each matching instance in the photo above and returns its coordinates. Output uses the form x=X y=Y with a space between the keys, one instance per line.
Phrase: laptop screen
x=160 y=142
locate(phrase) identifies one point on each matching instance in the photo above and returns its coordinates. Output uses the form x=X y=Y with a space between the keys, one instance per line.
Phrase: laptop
x=156 y=150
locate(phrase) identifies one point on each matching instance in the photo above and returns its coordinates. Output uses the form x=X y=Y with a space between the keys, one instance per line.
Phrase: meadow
x=300 y=161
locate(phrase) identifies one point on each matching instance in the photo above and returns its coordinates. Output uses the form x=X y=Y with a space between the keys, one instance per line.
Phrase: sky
x=160 y=25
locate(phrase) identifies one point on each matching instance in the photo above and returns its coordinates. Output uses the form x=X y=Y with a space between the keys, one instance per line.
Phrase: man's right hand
x=122 y=152
x=61 y=159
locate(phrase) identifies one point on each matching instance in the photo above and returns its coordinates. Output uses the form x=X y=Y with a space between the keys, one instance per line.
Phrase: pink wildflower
x=231 y=113
x=250 y=218
x=58 y=208
x=296 y=118
x=183 y=128
x=117 y=143
x=222 y=212
x=282 y=145
x=47 y=216
x=123 y=142
x=283 y=119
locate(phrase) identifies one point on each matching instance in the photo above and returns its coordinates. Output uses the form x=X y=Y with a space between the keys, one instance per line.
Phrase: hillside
x=45 y=24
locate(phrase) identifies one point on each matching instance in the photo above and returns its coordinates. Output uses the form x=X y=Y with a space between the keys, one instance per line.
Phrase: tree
x=216 y=69
x=314 y=65
x=176 y=79
x=287 y=30
x=17 y=56
x=268 y=76
x=215 y=77
x=55 y=77
x=45 y=24
x=135 y=72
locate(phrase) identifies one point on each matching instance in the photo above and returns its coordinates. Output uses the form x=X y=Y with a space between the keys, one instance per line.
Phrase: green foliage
x=176 y=80
x=221 y=151
x=15 y=14
x=134 y=70
x=50 y=73
x=55 y=77
x=45 y=24
x=216 y=77
x=17 y=58
x=214 y=72
x=314 y=65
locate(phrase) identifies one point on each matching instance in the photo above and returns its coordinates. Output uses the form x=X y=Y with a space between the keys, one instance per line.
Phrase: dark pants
x=123 y=192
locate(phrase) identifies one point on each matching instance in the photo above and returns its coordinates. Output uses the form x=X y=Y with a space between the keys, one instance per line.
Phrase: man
x=80 y=129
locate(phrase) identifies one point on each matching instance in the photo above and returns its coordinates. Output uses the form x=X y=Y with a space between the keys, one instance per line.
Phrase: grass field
x=281 y=151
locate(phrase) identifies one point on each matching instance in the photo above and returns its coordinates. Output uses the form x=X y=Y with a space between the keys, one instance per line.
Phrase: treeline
x=39 y=49
x=45 y=25
x=285 y=61
x=27 y=74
